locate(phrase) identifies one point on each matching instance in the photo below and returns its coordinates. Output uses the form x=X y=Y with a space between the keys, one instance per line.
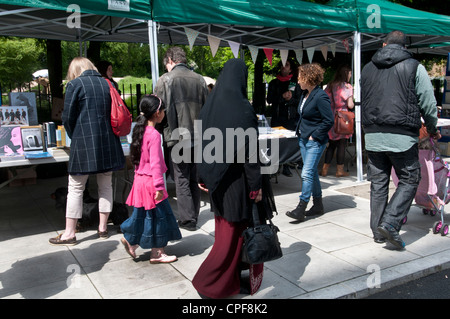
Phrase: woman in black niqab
x=233 y=186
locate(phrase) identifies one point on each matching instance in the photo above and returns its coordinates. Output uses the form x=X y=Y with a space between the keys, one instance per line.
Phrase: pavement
x=327 y=257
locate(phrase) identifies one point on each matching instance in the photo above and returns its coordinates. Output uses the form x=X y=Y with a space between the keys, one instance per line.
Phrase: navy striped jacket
x=87 y=119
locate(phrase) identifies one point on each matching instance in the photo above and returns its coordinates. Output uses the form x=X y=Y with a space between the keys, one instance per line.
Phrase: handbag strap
x=256 y=220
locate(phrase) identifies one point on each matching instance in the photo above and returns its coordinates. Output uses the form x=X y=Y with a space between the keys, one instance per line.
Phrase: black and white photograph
x=32 y=138
x=13 y=115
x=28 y=100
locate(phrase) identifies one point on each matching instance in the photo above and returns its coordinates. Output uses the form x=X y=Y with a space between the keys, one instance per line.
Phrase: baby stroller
x=433 y=191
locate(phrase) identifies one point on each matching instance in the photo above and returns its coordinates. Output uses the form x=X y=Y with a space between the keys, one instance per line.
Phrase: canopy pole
x=357 y=96
x=153 y=43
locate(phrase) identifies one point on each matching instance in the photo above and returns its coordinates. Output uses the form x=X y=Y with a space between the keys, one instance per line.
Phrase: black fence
x=131 y=98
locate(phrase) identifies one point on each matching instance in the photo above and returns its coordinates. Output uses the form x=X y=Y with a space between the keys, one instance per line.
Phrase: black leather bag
x=261 y=242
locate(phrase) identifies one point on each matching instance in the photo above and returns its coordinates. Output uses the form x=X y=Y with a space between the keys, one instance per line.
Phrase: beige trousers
x=77 y=184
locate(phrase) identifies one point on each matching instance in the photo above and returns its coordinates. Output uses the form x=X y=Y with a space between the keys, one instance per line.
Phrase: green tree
x=19 y=58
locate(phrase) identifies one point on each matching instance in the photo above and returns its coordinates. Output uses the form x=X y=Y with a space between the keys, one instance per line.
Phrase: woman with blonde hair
x=94 y=149
x=312 y=129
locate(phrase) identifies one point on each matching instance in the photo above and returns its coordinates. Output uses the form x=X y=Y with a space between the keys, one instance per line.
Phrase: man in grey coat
x=184 y=93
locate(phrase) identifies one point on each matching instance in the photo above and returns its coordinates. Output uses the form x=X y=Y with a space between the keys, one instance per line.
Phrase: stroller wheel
x=437 y=227
x=433 y=213
x=444 y=230
x=425 y=211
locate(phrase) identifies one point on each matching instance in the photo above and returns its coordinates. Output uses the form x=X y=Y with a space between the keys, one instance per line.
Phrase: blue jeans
x=379 y=167
x=311 y=151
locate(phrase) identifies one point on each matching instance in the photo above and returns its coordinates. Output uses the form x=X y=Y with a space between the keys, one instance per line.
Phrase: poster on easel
x=27 y=99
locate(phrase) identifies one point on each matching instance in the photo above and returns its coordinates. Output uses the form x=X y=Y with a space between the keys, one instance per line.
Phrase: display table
x=288 y=148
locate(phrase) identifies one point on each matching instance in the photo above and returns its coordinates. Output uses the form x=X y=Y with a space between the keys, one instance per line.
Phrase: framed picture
x=13 y=115
x=32 y=138
x=28 y=100
x=10 y=141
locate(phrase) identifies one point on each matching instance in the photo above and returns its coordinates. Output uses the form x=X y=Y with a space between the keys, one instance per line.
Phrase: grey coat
x=87 y=119
x=184 y=93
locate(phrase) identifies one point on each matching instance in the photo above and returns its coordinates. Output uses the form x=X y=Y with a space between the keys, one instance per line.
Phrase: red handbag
x=121 y=118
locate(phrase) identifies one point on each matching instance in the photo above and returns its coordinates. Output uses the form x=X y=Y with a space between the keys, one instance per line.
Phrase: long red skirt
x=218 y=276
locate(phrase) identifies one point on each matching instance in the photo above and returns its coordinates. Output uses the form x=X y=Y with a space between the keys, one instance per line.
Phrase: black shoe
x=286 y=171
x=299 y=212
x=379 y=239
x=317 y=208
x=391 y=236
x=188 y=225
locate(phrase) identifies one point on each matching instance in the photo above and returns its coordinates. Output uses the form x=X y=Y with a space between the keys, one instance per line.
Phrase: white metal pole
x=153 y=43
x=357 y=95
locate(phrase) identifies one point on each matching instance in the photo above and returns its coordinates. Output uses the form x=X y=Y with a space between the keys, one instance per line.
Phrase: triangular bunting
x=310 y=52
x=324 y=49
x=234 y=48
x=346 y=45
x=284 y=56
x=213 y=44
x=191 y=35
x=333 y=49
x=254 y=52
x=268 y=53
x=299 y=55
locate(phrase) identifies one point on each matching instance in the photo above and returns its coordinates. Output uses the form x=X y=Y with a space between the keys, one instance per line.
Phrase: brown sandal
x=57 y=241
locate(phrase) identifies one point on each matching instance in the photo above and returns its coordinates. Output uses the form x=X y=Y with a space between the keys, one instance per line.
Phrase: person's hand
x=287 y=95
x=159 y=195
x=436 y=136
x=259 y=196
x=203 y=187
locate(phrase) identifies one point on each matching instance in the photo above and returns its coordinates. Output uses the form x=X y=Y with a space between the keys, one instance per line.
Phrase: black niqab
x=227 y=106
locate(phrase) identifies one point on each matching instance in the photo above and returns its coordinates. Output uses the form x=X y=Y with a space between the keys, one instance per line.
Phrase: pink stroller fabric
x=433 y=182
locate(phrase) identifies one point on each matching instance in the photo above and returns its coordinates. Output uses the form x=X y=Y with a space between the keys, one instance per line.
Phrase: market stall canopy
x=282 y=24
x=99 y=20
x=427 y=32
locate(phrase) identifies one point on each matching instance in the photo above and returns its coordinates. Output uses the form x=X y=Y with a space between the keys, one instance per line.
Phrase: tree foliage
x=19 y=58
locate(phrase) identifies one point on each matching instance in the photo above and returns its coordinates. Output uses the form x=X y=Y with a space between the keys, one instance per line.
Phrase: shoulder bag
x=343 y=122
x=261 y=242
x=121 y=118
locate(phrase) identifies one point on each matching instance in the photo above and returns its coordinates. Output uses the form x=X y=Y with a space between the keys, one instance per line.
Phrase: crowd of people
x=396 y=94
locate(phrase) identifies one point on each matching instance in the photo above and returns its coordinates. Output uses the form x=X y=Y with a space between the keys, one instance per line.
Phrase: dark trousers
x=188 y=193
x=407 y=168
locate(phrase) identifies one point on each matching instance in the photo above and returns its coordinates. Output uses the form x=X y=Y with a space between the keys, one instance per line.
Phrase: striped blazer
x=87 y=119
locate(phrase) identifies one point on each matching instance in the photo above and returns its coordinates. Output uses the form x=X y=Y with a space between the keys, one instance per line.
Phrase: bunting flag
x=333 y=49
x=191 y=35
x=284 y=56
x=253 y=52
x=268 y=52
x=299 y=55
x=234 y=48
x=310 y=52
x=346 y=45
x=213 y=44
x=324 y=49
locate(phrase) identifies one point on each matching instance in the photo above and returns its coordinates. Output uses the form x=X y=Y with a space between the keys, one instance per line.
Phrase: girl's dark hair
x=148 y=106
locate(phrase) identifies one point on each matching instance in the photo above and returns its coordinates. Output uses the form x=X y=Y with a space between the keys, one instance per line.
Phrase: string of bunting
x=214 y=44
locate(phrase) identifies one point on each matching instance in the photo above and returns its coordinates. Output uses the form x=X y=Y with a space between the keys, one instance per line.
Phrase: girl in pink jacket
x=152 y=223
